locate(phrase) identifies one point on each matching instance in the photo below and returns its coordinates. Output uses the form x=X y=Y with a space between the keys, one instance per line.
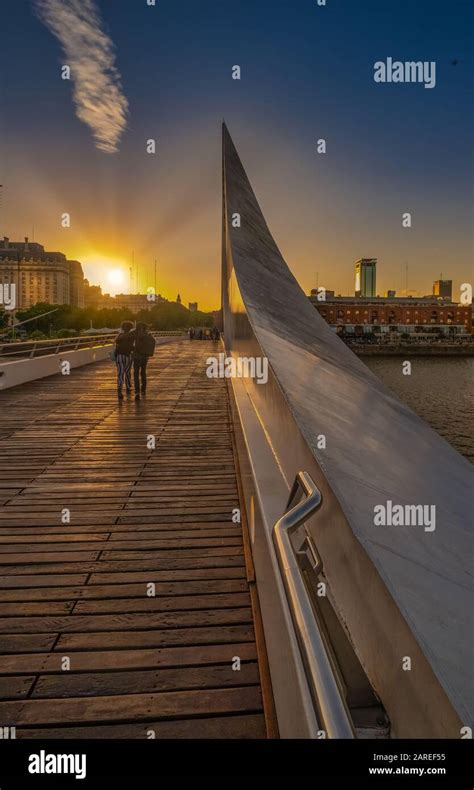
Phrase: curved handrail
x=323 y=681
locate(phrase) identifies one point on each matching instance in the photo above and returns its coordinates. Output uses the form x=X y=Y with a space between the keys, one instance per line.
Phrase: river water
x=439 y=389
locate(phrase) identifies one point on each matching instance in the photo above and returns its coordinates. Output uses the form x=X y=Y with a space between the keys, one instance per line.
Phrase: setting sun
x=116 y=277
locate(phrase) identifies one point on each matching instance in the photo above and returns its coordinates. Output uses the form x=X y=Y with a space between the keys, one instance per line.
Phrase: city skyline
x=177 y=81
x=114 y=285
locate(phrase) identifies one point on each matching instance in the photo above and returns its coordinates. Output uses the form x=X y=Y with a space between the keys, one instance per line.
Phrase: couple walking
x=133 y=346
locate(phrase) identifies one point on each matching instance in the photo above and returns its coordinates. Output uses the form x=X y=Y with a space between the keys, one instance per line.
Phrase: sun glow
x=116 y=277
x=110 y=273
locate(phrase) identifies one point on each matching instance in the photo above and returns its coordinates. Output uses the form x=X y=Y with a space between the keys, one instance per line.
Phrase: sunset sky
x=307 y=73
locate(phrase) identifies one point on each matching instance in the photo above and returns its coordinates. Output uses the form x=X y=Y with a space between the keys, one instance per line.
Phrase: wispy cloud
x=89 y=51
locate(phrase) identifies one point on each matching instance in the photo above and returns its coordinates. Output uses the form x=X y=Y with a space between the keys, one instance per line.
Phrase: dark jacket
x=124 y=343
x=144 y=344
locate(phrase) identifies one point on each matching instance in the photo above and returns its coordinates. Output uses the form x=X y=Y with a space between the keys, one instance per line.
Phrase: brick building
x=379 y=315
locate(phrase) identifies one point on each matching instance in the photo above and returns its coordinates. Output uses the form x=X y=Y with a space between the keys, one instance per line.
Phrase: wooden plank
x=200 y=655
x=107 y=640
x=235 y=726
x=15 y=686
x=122 y=565
x=140 y=530
x=138 y=707
x=85 y=623
x=37 y=580
x=185 y=552
x=35 y=607
x=16 y=643
x=89 y=684
x=124 y=590
x=175 y=603
x=51 y=557
x=224 y=572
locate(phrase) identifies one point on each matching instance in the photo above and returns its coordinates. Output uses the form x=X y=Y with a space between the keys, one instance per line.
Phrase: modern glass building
x=365 y=277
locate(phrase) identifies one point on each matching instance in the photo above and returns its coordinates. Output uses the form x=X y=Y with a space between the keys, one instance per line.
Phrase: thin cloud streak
x=98 y=97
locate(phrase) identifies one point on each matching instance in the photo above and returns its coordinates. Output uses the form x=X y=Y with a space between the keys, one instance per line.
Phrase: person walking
x=144 y=349
x=123 y=358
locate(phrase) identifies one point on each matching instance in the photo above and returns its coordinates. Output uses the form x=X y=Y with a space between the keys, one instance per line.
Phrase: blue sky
x=307 y=73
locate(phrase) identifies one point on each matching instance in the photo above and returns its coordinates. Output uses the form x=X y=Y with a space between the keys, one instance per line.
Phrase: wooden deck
x=79 y=590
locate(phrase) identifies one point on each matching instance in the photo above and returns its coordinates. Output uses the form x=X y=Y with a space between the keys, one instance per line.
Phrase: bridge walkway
x=126 y=592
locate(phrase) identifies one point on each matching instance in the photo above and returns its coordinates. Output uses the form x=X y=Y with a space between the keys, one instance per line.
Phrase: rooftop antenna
x=155 y=275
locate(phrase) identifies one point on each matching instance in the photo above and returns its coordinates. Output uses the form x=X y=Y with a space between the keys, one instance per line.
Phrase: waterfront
x=439 y=390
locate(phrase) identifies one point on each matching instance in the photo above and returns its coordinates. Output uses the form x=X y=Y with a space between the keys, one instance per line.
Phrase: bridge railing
x=325 y=684
x=35 y=348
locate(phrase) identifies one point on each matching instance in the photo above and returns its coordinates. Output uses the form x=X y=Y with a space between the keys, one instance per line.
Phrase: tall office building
x=443 y=288
x=365 y=277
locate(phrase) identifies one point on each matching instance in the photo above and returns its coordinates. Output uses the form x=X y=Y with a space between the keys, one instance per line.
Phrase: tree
x=164 y=316
x=5 y=316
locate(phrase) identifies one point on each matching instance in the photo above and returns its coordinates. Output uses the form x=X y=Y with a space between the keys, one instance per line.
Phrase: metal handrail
x=322 y=677
x=54 y=345
x=29 y=347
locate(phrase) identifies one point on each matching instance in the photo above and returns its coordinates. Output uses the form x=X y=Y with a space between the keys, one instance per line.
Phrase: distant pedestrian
x=144 y=349
x=191 y=333
x=123 y=358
